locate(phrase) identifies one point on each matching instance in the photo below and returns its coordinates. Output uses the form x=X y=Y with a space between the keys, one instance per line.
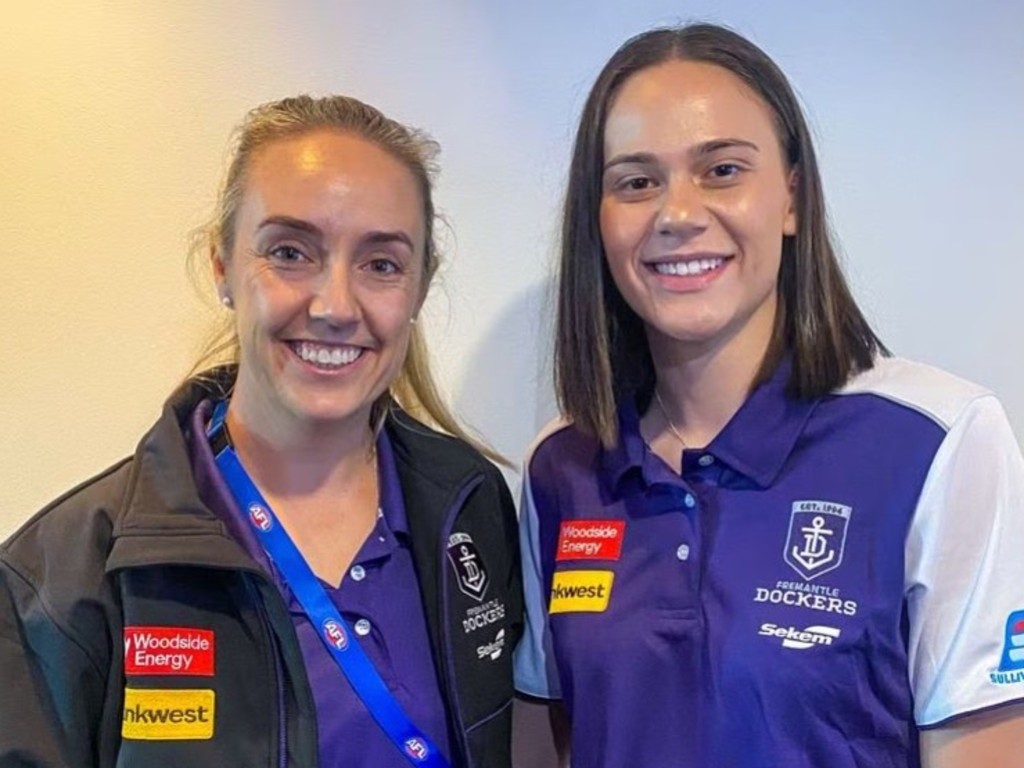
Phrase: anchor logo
x=817 y=537
x=469 y=571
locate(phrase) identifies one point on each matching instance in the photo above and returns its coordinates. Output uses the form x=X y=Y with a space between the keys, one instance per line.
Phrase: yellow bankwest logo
x=167 y=715
x=580 y=591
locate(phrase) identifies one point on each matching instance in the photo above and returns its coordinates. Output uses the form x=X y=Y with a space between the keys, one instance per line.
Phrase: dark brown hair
x=601 y=350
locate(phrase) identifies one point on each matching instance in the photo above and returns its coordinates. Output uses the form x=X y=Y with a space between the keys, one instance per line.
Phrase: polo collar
x=392 y=504
x=756 y=442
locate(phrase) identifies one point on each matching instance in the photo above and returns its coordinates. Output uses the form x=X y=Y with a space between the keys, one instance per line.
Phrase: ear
x=220 y=275
x=789 y=223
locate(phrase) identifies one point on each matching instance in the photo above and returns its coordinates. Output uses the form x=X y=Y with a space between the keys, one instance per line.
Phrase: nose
x=683 y=210
x=333 y=297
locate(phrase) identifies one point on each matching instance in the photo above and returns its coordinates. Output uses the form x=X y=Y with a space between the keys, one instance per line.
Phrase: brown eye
x=725 y=171
x=384 y=266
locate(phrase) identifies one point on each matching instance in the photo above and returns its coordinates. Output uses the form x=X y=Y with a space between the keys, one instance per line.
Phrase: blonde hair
x=414 y=389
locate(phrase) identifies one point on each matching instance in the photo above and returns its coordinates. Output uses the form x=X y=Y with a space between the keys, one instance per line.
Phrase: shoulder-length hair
x=601 y=350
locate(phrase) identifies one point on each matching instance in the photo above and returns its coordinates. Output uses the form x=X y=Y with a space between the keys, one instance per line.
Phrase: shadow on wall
x=506 y=392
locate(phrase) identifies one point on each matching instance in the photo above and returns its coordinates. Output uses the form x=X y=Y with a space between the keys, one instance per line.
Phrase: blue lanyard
x=332 y=628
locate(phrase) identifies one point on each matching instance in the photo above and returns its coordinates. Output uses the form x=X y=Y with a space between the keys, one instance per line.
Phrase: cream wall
x=116 y=116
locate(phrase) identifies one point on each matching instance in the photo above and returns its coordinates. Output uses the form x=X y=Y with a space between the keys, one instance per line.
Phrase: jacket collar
x=162 y=519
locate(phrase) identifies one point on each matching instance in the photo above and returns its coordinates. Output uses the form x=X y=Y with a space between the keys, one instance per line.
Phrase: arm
x=46 y=680
x=541 y=730
x=965 y=595
x=990 y=739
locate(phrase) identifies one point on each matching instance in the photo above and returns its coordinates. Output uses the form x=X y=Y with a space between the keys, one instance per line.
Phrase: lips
x=688 y=266
x=326 y=356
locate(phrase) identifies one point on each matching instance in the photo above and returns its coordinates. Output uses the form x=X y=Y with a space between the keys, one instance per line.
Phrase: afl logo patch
x=416 y=749
x=469 y=568
x=335 y=635
x=260 y=517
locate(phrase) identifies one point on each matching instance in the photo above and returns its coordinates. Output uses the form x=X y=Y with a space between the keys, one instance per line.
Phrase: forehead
x=322 y=173
x=685 y=101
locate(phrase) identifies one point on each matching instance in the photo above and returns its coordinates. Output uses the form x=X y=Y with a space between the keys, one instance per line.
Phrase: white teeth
x=693 y=267
x=327 y=356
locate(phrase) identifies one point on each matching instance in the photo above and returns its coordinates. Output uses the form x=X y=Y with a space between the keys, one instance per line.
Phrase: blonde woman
x=291 y=570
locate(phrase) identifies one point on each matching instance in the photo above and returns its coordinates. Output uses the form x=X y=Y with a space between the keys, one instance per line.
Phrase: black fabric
x=135 y=546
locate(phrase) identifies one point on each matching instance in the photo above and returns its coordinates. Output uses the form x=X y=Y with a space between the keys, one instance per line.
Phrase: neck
x=703 y=385
x=289 y=458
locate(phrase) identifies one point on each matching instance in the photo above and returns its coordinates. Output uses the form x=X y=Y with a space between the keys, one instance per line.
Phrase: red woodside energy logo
x=590 y=540
x=168 y=651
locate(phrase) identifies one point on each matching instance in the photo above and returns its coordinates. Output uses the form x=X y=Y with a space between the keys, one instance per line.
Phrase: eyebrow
x=373 y=238
x=393 y=236
x=291 y=223
x=705 y=148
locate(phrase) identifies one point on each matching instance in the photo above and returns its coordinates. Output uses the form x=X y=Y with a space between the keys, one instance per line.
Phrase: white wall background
x=116 y=114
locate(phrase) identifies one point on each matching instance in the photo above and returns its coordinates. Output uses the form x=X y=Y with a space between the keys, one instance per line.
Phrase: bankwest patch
x=168 y=715
x=590 y=540
x=583 y=591
x=168 y=651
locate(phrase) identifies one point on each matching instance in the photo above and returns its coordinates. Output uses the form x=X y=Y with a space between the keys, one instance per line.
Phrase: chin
x=320 y=408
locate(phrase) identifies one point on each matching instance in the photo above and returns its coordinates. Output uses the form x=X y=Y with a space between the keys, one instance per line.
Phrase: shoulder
x=931 y=392
x=53 y=571
x=559 y=442
x=74 y=530
x=435 y=457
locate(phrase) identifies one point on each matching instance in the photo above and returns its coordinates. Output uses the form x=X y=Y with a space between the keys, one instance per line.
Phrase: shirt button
x=363 y=627
x=706 y=460
x=683 y=553
x=358 y=573
x=689 y=501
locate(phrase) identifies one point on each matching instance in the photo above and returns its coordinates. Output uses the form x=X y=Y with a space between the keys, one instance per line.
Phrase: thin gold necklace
x=668 y=420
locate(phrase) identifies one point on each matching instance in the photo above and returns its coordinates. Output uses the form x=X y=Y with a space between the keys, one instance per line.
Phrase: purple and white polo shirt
x=825 y=578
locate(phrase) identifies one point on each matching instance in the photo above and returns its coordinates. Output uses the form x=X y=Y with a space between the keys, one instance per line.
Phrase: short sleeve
x=965 y=572
x=535 y=671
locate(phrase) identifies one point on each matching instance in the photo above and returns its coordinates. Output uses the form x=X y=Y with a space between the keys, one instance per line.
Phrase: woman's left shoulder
x=434 y=452
x=934 y=392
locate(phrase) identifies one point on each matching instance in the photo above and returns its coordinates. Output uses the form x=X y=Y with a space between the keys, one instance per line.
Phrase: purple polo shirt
x=822 y=580
x=379 y=598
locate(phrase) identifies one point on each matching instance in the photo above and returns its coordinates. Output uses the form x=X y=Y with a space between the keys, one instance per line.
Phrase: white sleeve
x=535 y=672
x=965 y=570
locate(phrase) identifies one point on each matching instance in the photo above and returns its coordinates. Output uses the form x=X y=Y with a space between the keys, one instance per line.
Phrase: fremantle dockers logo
x=469 y=569
x=817 y=537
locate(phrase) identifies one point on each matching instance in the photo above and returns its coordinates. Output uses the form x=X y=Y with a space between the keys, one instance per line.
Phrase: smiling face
x=325 y=274
x=696 y=199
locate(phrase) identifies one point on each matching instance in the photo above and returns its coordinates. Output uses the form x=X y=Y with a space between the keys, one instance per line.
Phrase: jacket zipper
x=282 y=726
x=449 y=662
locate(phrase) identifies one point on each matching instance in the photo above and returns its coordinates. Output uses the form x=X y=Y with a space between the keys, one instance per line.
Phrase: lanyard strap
x=332 y=628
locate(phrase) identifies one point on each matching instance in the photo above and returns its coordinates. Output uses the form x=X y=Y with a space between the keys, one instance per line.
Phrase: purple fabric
x=701 y=657
x=387 y=596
